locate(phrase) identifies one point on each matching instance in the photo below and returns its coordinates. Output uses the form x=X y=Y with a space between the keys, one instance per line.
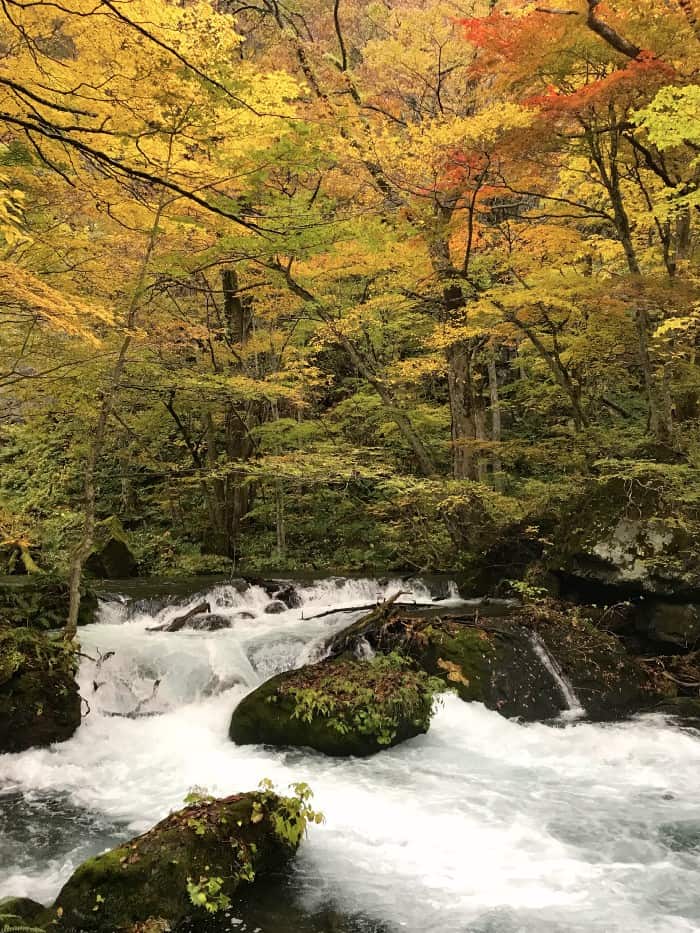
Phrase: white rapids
x=484 y=825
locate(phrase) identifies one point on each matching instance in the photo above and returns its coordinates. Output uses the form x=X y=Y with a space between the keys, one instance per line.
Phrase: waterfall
x=575 y=709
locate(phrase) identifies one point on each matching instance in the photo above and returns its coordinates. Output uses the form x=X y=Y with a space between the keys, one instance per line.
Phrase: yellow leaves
x=454 y=672
x=27 y=293
x=11 y=200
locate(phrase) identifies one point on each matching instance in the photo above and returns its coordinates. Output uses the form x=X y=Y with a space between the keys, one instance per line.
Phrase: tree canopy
x=327 y=284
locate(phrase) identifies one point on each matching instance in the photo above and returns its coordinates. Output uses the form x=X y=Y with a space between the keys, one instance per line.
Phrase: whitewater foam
x=483 y=824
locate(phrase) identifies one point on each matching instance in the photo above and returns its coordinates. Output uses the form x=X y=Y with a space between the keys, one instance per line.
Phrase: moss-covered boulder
x=635 y=529
x=338 y=707
x=41 y=601
x=516 y=664
x=608 y=681
x=496 y=666
x=111 y=557
x=19 y=914
x=191 y=863
x=39 y=699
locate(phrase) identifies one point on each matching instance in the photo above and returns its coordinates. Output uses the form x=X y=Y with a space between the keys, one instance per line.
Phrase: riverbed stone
x=339 y=707
x=39 y=699
x=276 y=607
x=201 y=853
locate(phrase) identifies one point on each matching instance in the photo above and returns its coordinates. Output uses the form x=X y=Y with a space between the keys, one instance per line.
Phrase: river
x=484 y=825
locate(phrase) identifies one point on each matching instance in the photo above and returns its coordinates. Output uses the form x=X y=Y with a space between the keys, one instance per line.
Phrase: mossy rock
x=20 y=914
x=496 y=667
x=41 y=601
x=495 y=662
x=158 y=878
x=39 y=699
x=111 y=557
x=636 y=532
x=609 y=682
x=338 y=707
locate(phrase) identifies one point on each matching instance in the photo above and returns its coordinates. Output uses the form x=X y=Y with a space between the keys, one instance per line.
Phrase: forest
x=349 y=466
x=337 y=285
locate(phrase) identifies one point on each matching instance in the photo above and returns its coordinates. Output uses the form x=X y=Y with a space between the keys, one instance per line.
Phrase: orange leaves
x=623 y=87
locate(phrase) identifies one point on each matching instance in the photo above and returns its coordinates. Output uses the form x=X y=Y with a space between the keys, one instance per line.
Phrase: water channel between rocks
x=484 y=825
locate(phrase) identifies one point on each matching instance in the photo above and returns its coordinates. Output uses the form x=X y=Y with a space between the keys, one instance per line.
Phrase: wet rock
x=676 y=624
x=500 y=661
x=289 y=596
x=198 y=855
x=338 y=707
x=608 y=681
x=244 y=615
x=275 y=607
x=209 y=622
x=39 y=699
x=685 y=709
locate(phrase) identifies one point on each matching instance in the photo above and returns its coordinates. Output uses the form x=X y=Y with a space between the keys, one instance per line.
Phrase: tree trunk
x=466 y=410
x=496 y=464
x=97 y=439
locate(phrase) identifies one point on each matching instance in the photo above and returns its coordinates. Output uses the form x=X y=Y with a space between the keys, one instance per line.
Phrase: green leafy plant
x=372 y=699
x=207 y=893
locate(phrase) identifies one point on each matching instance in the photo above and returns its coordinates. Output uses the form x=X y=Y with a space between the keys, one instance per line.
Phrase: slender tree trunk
x=496 y=464
x=659 y=426
x=467 y=415
x=97 y=439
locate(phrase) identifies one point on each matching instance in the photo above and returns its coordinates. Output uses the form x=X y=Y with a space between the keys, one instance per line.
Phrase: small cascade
x=575 y=709
x=133 y=669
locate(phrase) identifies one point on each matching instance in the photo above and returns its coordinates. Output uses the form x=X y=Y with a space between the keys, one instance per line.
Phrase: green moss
x=155 y=875
x=20 y=915
x=339 y=707
x=39 y=701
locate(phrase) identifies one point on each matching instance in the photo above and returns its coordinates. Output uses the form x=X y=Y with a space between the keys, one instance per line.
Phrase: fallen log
x=332 y=612
x=181 y=621
x=348 y=638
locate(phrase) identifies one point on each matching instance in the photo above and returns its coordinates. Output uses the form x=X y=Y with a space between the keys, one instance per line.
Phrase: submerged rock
x=39 y=699
x=275 y=607
x=338 y=707
x=191 y=863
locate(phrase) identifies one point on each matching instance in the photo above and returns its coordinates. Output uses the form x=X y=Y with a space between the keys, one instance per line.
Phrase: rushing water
x=483 y=825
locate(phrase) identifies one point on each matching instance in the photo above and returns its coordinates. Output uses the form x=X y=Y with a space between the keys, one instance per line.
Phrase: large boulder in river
x=39 y=699
x=338 y=707
x=534 y=663
x=190 y=864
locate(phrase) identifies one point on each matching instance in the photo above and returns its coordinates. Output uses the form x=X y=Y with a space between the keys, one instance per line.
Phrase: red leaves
x=624 y=86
